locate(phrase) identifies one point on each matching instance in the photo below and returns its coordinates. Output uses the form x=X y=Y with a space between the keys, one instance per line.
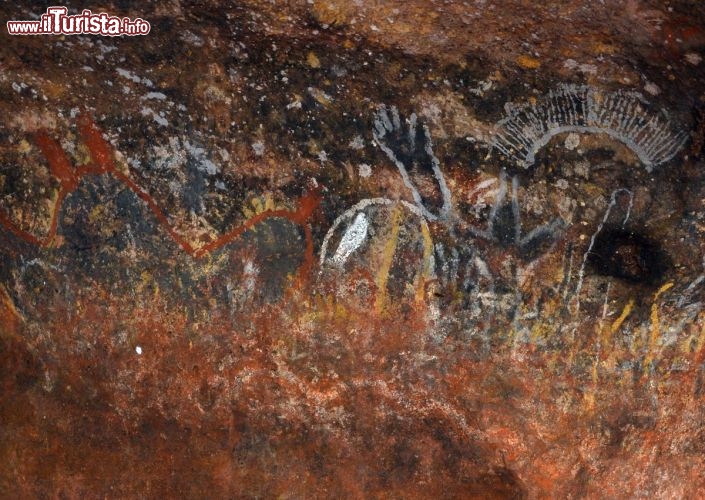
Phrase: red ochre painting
x=363 y=249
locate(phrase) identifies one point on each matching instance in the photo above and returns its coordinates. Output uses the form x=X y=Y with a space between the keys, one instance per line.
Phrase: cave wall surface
x=355 y=249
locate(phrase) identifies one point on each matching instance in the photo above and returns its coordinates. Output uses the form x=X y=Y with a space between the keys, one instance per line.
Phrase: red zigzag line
x=102 y=156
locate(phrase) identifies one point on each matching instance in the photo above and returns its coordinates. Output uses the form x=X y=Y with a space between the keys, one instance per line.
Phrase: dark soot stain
x=628 y=256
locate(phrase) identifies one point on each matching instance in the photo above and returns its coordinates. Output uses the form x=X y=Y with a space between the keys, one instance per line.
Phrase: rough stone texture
x=197 y=300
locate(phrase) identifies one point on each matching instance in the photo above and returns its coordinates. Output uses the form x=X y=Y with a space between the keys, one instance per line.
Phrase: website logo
x=56 y=21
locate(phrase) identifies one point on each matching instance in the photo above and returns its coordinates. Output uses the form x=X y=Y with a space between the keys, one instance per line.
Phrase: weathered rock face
x=355 y=249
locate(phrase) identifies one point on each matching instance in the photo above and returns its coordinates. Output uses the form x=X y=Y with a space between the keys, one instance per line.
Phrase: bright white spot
x=105 y=49
x=364 y=170
x=652 y=88
x=250 y=271
x=296 y=103
x=357 y=143
x=138 y=350
x=352 y=239
x=204 y=163
x=258 y=148
x=582 y=169
x=572 y=64
x=192 y=39
x=482 y=87
x=157 y=118
x=154 y=95
x=319 y=95
x=322 y=156
x=129 y=75
x=572 y=141
x=693 y=58
x=175 y=187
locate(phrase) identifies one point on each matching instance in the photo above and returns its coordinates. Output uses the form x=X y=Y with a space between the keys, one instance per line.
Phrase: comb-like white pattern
x=623 y=115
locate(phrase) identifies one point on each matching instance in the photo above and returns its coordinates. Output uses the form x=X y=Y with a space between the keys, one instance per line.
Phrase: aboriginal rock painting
x=487 y=268
x=335 y=249
x=479 y=263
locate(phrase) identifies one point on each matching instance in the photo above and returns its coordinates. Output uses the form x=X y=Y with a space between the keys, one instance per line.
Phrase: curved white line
x=349 y=213
x=622 y=115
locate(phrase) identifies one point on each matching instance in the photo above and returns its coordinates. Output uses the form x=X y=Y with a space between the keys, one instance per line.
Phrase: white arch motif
x=624 y=116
